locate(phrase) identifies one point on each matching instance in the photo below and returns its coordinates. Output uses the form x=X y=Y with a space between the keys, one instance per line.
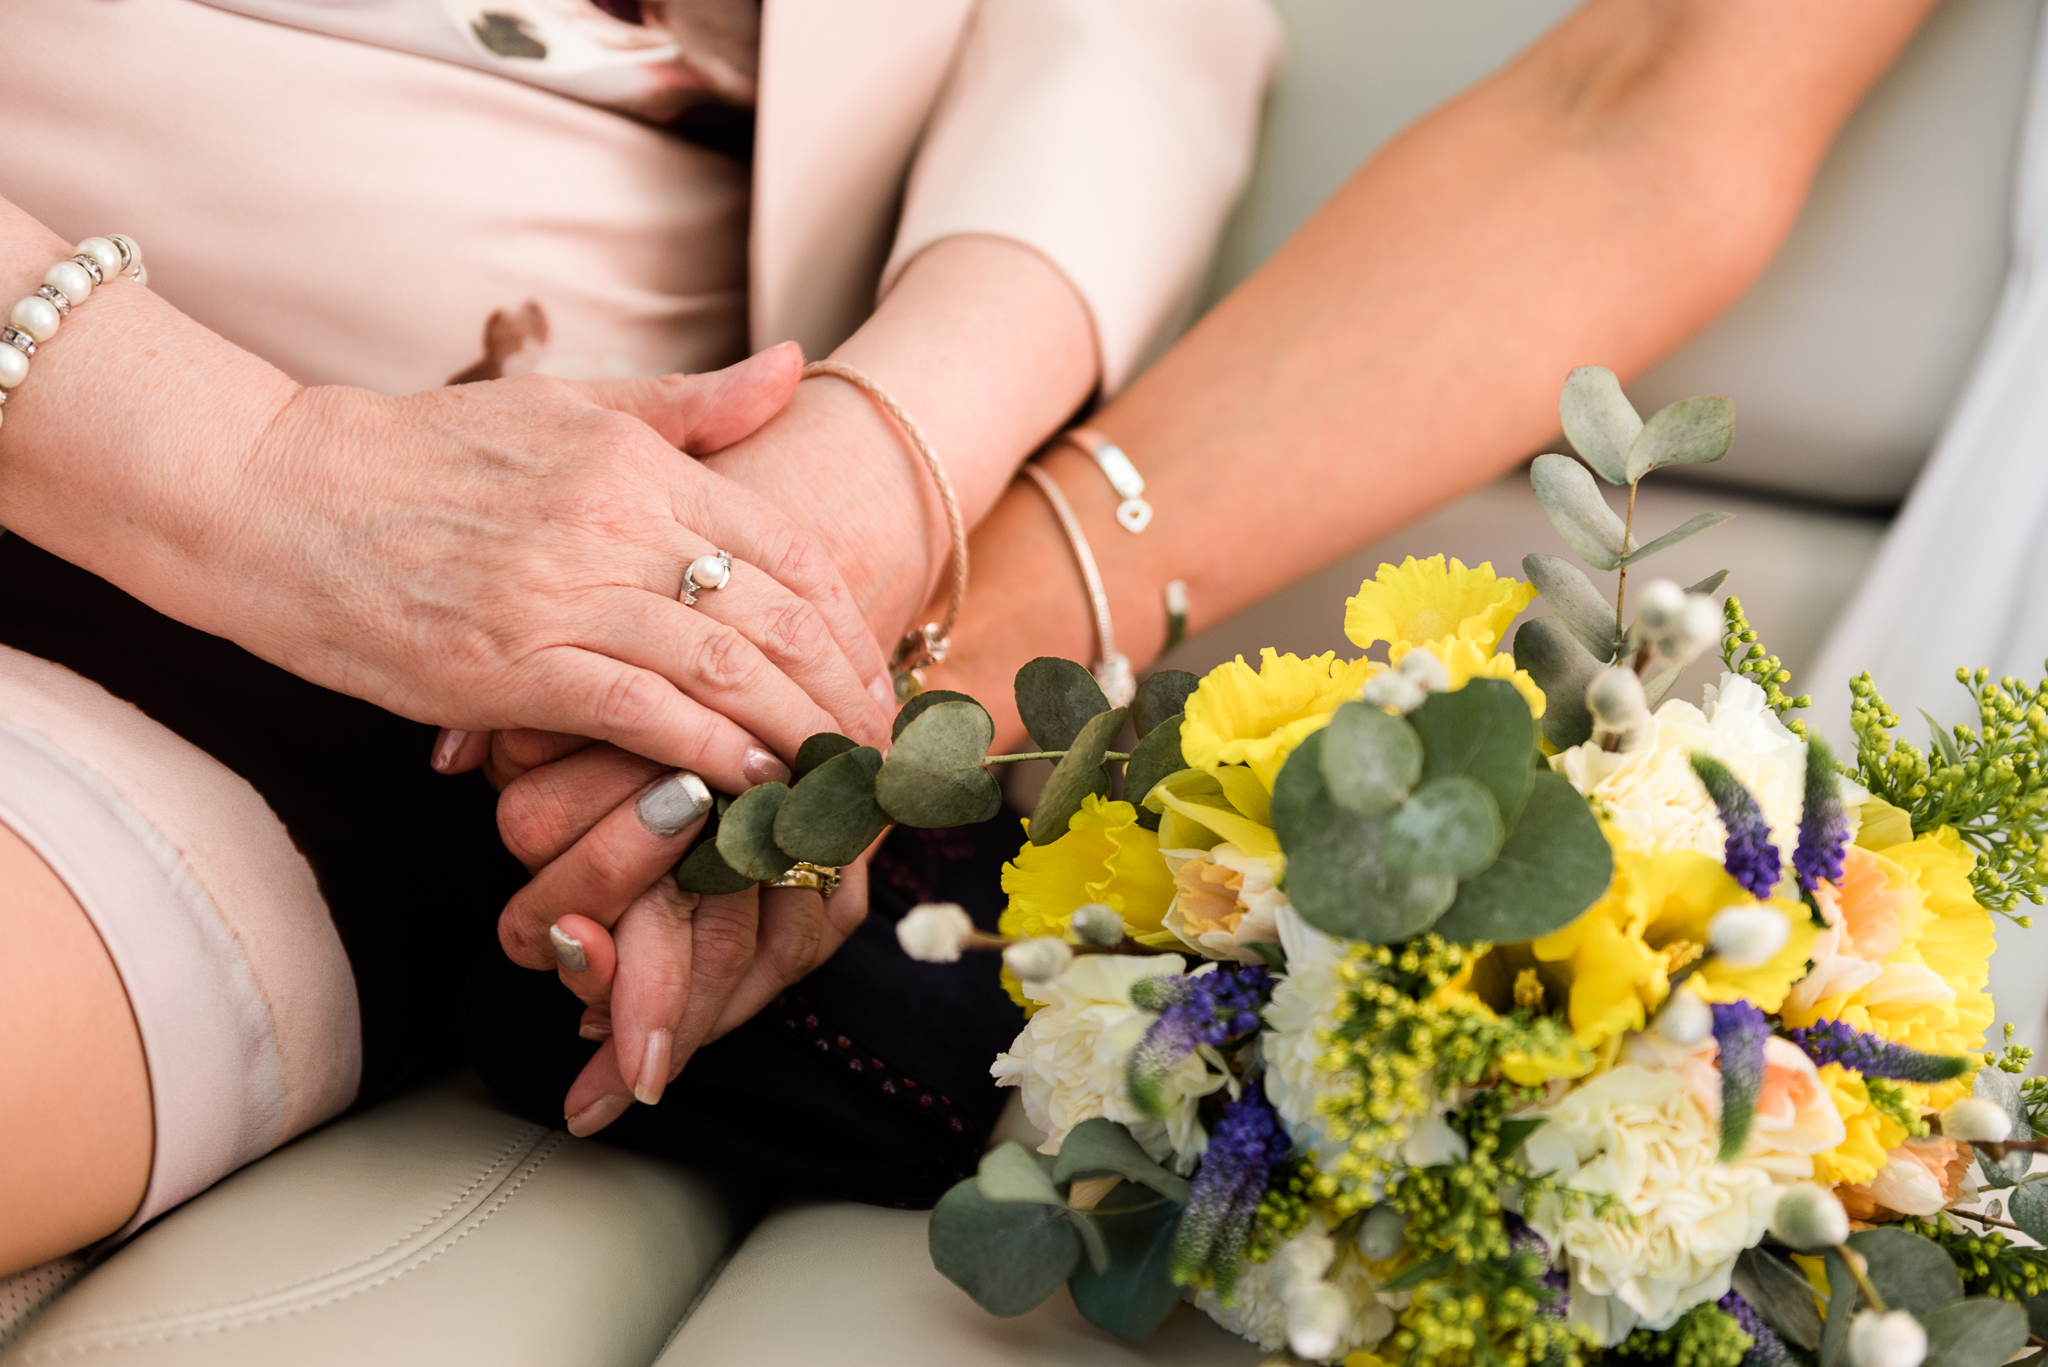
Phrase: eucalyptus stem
x=1860 y=1270
x=1628 y=528
x=1107 y=755
x=1983 y=1220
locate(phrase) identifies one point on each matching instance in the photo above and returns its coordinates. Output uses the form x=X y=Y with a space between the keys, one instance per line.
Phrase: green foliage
x=936 y=774
x=1370 y=761
x=1910 y=1272
x=917 y=706
x=1055 y=699
x=1988 y=783
x=1889 y=1099
x=1573 y=504
x=1745 y=655
x=831 y=815
x=746 y=835
x=1449 y=827
x=1078 y=774
x=1162 y=696
x=1555 y=857
x=1583 y=609
x=1561 y=667
x=819 y=748
x=1705 y=1336
x=1695 y=431
x=1989 y=1263
x=1155 y=757
x=1780 y=1293
x=1101 y=1148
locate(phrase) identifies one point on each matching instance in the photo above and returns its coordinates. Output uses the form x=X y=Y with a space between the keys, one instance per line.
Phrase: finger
x=514 y=753
x=711 y=663
x=458 y=752
x=793 y=636
x=604 y=873
x=585 y=960
x=680 y=957
x=599 y=1095
x=799 y=932
x=711 y=411
x=639 y=710
x=544 y=812
x=756 y=531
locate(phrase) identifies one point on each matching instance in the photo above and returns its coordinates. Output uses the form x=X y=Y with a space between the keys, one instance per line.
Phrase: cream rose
x=1636 y=1134
x=1069 y=1062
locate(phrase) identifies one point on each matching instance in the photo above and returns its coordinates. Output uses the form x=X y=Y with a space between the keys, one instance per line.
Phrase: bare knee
x=76 y=1133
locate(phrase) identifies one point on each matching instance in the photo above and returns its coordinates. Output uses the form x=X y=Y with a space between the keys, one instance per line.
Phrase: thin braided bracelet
x=928 y=644
x=66 y=285
x=1112 y=670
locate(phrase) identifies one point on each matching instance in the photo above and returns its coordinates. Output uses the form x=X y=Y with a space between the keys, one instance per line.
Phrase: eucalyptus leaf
x=1152 y=759
x=832 y=815
x=1008 y=1256
x=1011 y=1172
x=817 y=750
x=1163 y=695
x=1982 y=1331
x=1781 y=1294
x=1562 y=668
x=1655 y=689
x=1599 y=421
x=1371 y=761
x=1573 y=504
x=704 y=870
x=746 y=837
x=1910 y=1272
x=1135 y=1294
x=924 y=701
x=1450 y=828
x=1335 y=877
x=1567 y=592
x=1484 y=732
x=2028 y=1209
x=1553 y=865
x=1695 y=431
x=1078 y=774
x=1710 y=583
x=2003 y=1089
x=1056 y=698
x=935 y=775
x=1691 y=527
x=1100 y=1147
x=2037 y=1316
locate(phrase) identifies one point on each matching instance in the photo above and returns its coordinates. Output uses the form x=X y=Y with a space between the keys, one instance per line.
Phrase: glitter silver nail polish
x=673 y=803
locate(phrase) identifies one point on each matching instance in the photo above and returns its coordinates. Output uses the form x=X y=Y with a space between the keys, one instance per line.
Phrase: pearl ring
x=706 y=572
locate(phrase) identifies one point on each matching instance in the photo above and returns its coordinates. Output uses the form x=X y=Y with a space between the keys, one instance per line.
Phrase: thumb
x=709 y=412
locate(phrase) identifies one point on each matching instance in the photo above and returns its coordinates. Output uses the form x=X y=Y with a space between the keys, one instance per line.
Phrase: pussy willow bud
x=1422 y=665
x=1747 y=936
x=1316 y=1318
x=1699 y=626
x=1892 y=1339
x=1621 y=715
x=935 y=932
x=1394 y=689
x=1658 y=605
x=1303 y=1261
x=1095 y=924
x=1973 y=1119
x=1810 y=1218
x=1685 y=1019
x=1383 y=1233
x=1039 y=960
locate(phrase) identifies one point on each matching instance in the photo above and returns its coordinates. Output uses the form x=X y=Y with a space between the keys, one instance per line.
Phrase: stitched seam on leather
x=533 y=1165
x=498 y=1161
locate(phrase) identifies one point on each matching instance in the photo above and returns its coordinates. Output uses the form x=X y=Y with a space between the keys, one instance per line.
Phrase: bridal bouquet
x=1474 y=1007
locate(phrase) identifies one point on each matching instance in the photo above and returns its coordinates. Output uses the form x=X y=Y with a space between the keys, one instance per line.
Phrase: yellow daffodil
x=1256 y=717
x=1871 y=1132
x=1467 y=660
x=1425 y=602
x=1613 y=965
x=1200 y=807
x=1105 y=856
x=1907 y=954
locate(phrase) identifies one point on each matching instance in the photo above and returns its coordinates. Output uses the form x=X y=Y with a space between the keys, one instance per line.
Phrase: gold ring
x=819 y=878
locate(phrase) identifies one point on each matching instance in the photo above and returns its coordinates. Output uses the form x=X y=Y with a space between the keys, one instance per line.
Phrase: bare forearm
x=1597 y=201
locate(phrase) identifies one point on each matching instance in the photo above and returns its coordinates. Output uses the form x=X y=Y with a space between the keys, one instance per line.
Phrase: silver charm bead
x=131 y=254
x=19 y=340
x=706 y=572
x=58 y=300
x=91 y=268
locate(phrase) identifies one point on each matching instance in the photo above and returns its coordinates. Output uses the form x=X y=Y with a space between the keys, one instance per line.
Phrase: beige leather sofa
x=437 y=1229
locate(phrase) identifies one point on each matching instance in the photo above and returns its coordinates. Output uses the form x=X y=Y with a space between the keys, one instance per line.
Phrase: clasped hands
x=781 y=652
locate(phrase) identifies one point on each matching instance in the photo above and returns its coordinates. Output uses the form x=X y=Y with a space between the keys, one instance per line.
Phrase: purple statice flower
x=1248 y=1146
x=1522 y=1239
x=1834 y=1041
x=1740 y=1029
x=1766 y=1349
x=1823 y=823
x=1213 y=1009
x=1750 y=857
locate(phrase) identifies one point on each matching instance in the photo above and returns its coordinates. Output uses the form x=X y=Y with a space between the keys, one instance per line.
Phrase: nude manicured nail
x=568 y=951
x=445 y=748
x=883 y=692
x=598 y=1114
x=670 y=805
x=593 y=1031
x=654 y=1067
x=762 y=767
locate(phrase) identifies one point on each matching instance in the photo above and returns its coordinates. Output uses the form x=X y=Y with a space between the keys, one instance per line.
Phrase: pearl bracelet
x=66 y=285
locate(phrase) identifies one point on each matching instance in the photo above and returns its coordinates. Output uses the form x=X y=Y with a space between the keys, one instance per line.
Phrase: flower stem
x=1621 y=586
x=1860 y=1270
x=1976 y=1219
x=1107 y=755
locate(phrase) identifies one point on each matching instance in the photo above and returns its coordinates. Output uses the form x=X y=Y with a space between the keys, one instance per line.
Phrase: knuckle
x=725 y=660
x=721 y=945
x=630 y=702
x=793 y=631
x=529 y=821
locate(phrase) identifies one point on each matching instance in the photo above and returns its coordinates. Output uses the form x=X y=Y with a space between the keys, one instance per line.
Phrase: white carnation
x=1302 y=1010
x=1658 y=802
x=1262 y=1296
x=1638 y=1136
x=1069 y=1063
